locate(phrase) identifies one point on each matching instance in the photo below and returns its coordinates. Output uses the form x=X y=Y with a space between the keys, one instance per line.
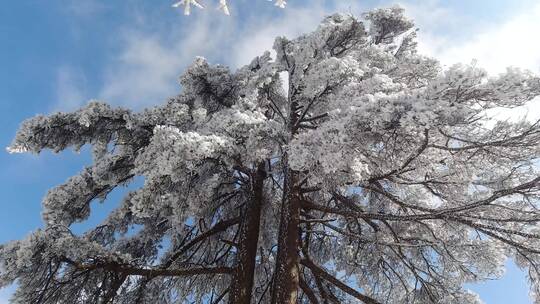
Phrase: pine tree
x=374 y=177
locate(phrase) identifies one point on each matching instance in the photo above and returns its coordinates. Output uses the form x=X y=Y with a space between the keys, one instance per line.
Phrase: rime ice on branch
x=373 y=179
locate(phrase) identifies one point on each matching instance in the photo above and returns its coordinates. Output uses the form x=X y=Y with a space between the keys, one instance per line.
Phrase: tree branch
x=150 y=272
x=308 y=291
x=219 y=227
x=318 y=271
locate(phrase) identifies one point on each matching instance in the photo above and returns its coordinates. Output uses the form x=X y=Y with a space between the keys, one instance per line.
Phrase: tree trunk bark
x=287 y=273
x=286 y=276
x=243 y=273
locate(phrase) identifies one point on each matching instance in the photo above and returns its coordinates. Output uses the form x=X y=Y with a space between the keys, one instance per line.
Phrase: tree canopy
x=344 y=167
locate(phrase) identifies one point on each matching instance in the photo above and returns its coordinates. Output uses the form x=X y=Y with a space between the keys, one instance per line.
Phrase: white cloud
x=70 y=89
x=294 y=21
x=84 y=9
x=145 y=71
x=530 y=112
x=262 y=33
x=431 y=16
x=511 y=43
x=146 y=68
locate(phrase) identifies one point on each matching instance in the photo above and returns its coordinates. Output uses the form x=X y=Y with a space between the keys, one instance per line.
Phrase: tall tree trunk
x=243 y=273
x=287 y=273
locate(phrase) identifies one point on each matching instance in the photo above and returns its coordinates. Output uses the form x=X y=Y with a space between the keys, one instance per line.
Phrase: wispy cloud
x=145 y=71
x=294 y=21
x=70 y=89
x=505 y=44
x=84 y=9
x=145 y=68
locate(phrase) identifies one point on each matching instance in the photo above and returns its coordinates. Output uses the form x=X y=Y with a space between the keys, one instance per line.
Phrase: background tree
x=373 y=177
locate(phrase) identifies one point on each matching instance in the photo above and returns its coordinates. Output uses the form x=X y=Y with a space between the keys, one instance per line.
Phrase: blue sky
x=57 y=54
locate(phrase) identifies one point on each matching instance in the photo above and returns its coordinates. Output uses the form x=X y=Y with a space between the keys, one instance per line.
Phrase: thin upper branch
x=318 y=271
